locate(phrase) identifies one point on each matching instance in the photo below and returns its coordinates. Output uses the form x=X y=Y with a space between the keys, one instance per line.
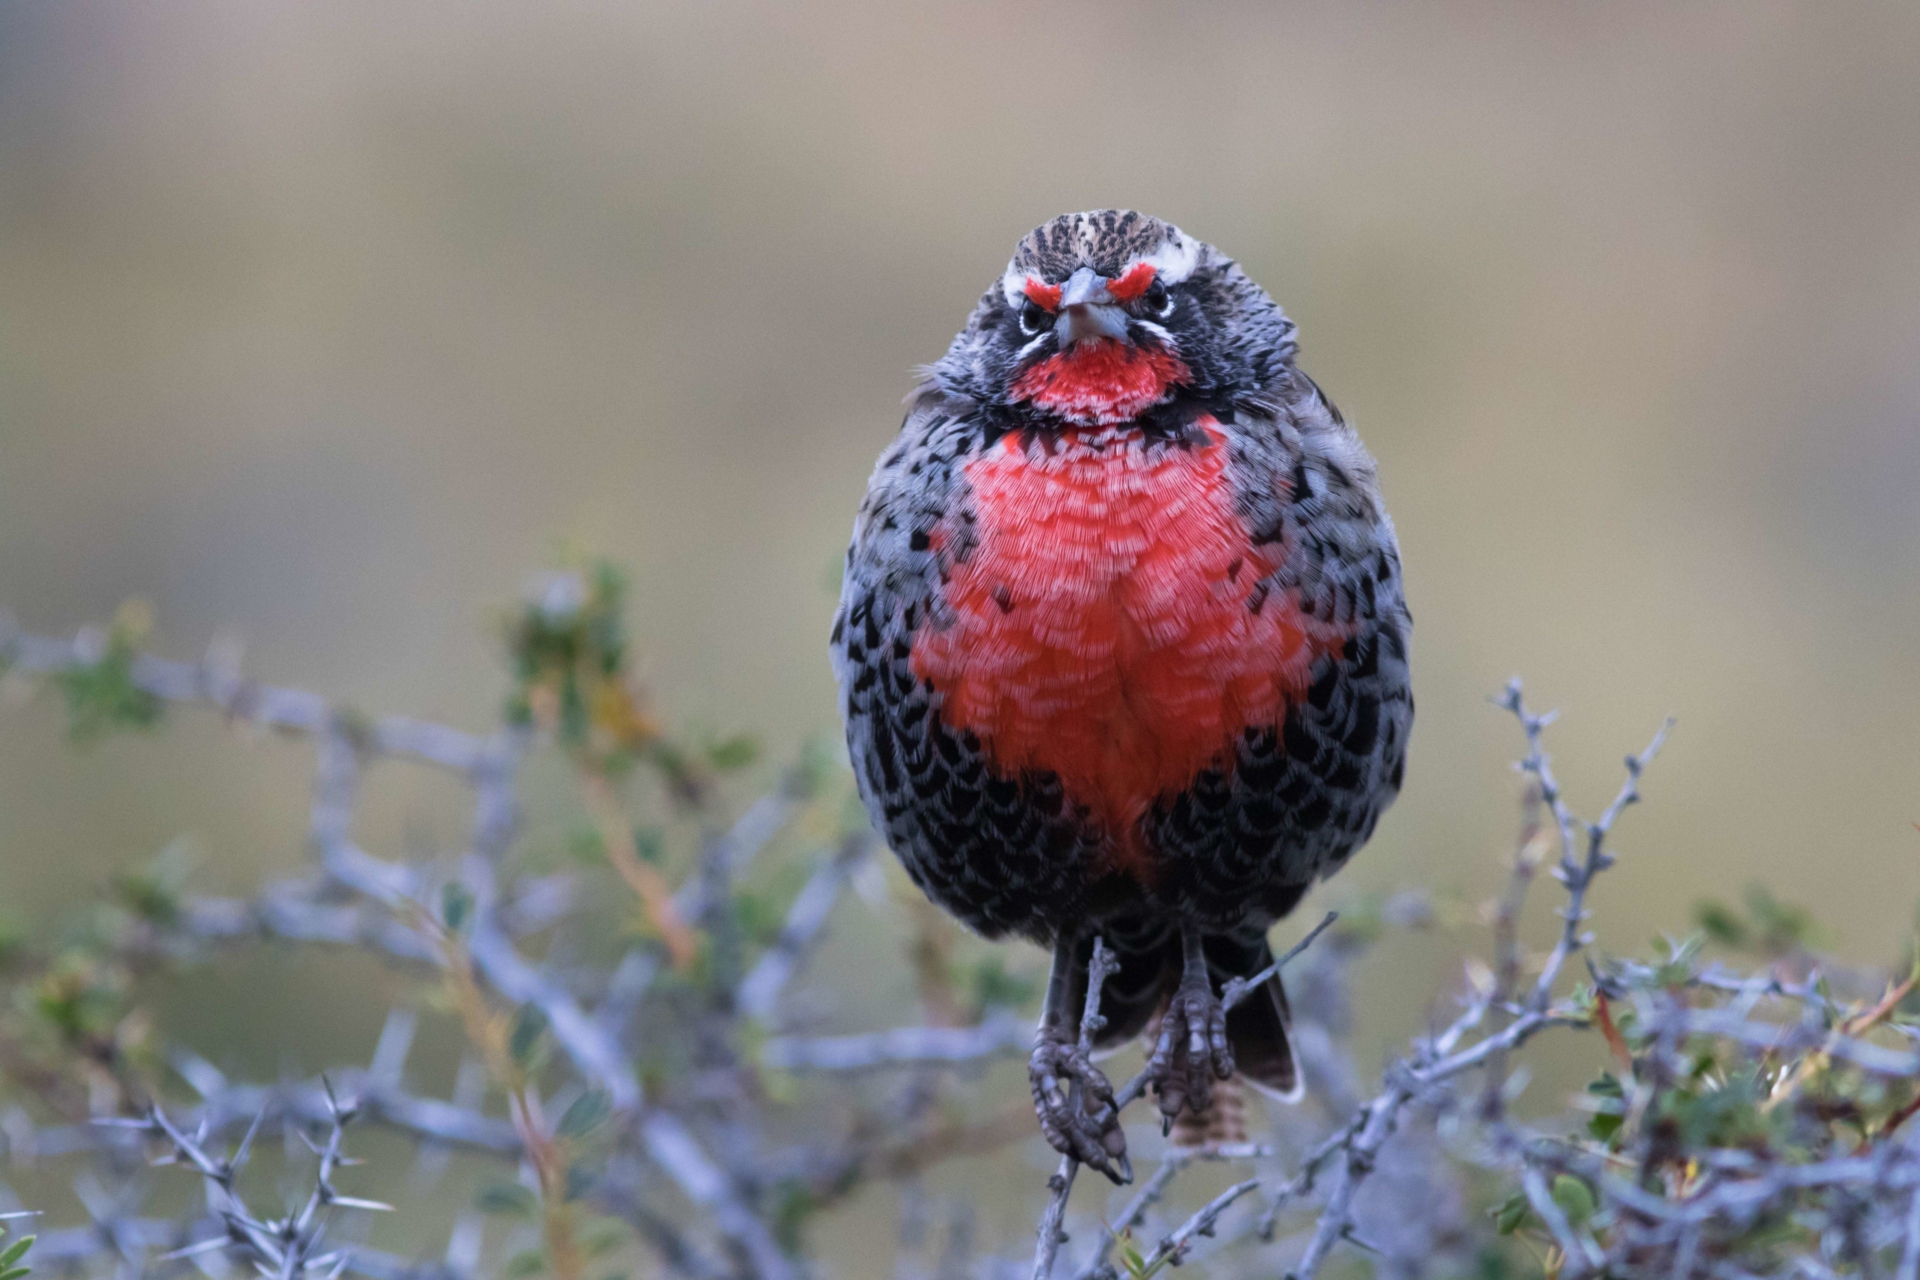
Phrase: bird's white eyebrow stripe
x=1014 y=285
x=1176 y=257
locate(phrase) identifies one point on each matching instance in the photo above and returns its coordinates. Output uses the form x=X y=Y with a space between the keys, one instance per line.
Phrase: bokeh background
x=321 y=325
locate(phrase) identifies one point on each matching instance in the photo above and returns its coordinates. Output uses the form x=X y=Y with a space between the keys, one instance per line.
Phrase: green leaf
x=1722 y=924
x=603 y=1238
x=585 y=846
x=1783 y=926
x=1610 y=1111
x=757 y=916
x=793 y=1204
x=456 y=905
x=1574 y=1198
x=153 y=891
x=994 y=987
x=102 y=696
x=733 y=753
x=574 y=720
x=651 y=844
x=586 y=1113
x=1677 y=969
x=1511 y=1214
x=16 y=1273
x=507 y=1199
x=528 y=1262
x=524 y=1042
x=1491 y=1265
x=16 y=1251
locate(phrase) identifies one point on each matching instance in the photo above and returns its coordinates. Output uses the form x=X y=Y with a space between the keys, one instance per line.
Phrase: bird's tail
x=1150 y=966
x=1224 y=1121
x=1258 y=1026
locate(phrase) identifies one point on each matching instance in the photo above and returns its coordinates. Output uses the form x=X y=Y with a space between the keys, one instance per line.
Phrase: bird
x=1122 y=650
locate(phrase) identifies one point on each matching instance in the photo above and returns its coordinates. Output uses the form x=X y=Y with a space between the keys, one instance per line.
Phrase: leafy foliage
x=102 y=694
x=1767 y=928
x=13 y=1256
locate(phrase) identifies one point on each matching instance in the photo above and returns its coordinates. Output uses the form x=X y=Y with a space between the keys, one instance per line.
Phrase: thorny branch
x=360 y=900
x=1439 y=1060
x=1648 y=1192
x=1154 y=1189
x=286 y=1248
x=1352 y=1152
x=1099 y=968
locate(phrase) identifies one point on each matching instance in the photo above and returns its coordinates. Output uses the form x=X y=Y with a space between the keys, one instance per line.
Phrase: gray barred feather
x=1290 y=802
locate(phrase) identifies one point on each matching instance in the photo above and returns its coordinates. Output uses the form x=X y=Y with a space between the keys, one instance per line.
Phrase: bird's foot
x=1074 y=1101
x=1191 y=1050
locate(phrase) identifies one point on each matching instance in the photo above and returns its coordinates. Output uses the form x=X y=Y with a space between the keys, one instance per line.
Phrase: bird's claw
x=1191 y=1051
x=1074 y=1101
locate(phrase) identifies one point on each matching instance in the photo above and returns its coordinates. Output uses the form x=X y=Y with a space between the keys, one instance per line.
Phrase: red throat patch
x=1102 y=382
x=1110 y=625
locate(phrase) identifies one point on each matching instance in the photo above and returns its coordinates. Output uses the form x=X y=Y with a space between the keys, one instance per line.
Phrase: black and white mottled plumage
x=1009 y=847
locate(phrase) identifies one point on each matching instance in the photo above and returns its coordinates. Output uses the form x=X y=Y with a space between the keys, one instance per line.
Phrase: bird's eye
x=1156 y=301
x=1033 y=318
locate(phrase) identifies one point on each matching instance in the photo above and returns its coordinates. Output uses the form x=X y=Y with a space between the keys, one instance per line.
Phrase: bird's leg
x=1192 y=1048
x=1071 y=1096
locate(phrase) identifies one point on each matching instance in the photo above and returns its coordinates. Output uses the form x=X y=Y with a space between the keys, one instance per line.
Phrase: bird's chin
x=1100 y=382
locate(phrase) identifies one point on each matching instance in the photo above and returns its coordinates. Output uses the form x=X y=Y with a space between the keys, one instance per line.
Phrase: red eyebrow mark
x=1044 y=295
x=1133 y=283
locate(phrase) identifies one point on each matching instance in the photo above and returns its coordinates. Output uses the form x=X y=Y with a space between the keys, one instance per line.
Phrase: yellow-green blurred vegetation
x=321 y=325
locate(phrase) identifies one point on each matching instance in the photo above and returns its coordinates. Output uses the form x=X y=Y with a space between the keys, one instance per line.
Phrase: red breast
x=1109 y=623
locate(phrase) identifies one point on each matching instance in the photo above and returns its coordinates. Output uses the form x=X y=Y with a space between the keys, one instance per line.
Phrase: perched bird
x=1122 y=649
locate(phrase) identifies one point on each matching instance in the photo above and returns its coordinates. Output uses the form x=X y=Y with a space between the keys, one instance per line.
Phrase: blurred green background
x=320 y=324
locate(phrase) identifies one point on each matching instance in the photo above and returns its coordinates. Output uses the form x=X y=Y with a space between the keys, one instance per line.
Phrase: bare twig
x=647 y=882
x=1060 y=1186
x=1910 y=1247
x=1441 y=1061
x=1155 y=1187
x=346 y=743
x=286 y=1248
x=691 y=1163
x=1575 y=871
x=1101 y=968
x=1238 y=989
x=902 y=1047
x=760 y=991
x=1173 y=1247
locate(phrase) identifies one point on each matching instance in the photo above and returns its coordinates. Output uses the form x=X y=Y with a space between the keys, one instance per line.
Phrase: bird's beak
x=1088 y=311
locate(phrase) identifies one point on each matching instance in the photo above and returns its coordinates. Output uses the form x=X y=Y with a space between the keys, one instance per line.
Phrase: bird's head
x=1106 y=316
